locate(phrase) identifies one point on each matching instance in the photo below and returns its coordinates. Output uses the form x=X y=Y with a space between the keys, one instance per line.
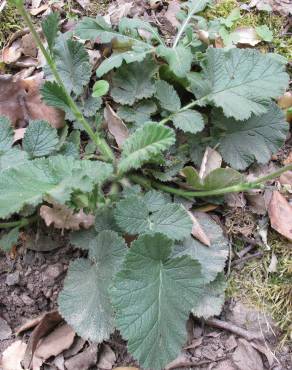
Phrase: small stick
x=191 y=363
x=246 y=258
x=234 y=329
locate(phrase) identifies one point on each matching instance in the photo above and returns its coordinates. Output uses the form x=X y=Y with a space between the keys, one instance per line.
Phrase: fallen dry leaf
x=171 y=13
x=47 y=323
x=288 y=160
x=280 y=214
x=245 y=357
x=31 y=323
x=118 y=10
x=284 y=7
x=12 y=356
x=246 y=36
x=20 y=101
x=286 y=178
x=265 y=350
x=83 y=360
x=64 y=218
x=54 y=344
x=198 y=232
x=273 y=263
x=11 y=53
x=19 y=134
x=210 y=162
x=256 y=202
x=115 y=125
x=39 y=10
x=28 y=46
x=107 y=358
x=235 y=200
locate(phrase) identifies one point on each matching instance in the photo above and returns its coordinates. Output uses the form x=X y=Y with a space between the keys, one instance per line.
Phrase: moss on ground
x=281 y=44
x=10 y=22
x=268 y=291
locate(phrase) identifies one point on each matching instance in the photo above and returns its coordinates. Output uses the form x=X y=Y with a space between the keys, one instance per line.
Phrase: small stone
x=53 y=272
x=48 y=293
x=5 y=330
x=13 y=279
x=26 y=299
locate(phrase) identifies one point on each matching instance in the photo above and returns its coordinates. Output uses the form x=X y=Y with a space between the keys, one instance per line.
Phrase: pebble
x=26 y=299
x=53 y=272
x=5 y=330
x=13 y=279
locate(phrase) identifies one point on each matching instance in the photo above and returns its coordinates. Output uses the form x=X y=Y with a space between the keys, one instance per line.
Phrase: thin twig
x=246 y=258
x=225 y=325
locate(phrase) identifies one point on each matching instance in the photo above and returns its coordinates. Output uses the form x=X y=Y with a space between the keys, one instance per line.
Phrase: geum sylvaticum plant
x=176 y=101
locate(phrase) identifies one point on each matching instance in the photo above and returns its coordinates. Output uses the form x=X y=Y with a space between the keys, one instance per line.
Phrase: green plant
x=148 y=290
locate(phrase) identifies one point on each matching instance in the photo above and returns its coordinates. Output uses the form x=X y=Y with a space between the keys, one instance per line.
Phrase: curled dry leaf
x=20 y=101
x=280 y=214
x=247 y=36
x=246 y=357
x=11 y=53
x=286 y=178
x=54 y=344
x=171 y=13
x=46 y=324
x=83 y=360
x=118 y=10
x=19 y=134
x=12 y=356
x=64 y=218
x=115 y=125
x=210 y=162
x=198 y=232
x=107 y=358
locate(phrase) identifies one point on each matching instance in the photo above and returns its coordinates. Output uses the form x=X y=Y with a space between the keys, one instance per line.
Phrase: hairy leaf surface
x=6 y=134
x=133 y=82
x=55 y=177
x=242 y=81
x=40 y=139
x=84 y=301
x=147 y=142
x=188 y=121
x=242 y=143
x=167 y=96
x=50 y=28
x=139 y=114
x=72 y=61
x=179 y=59
x=152 y=296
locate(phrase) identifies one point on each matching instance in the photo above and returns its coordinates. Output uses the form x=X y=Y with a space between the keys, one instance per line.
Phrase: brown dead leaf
x=286 y=178
x=256 y=202
x=235 y=200
x=20 y=101
x=47 y=323
x=284 y=7
x=211 y=161
x=115 y=125
x=247 y=36
x=171 y=13
x=83 y=360
x=198 y=232
x=12 y=356
x=28 y=46
x=39 y=10
x=118 y=10
x=288 y=160
x=54 y=344
x=31 y=323
x=64 y=218
x=280 y=213
x=107 y=358
x=19 y=134
x=245 y=357
x=11 y=53
x=265 y=350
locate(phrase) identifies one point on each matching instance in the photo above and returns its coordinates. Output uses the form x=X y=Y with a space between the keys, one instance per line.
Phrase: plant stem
x=21 y=223
x=101 y=144
x=257 y=184
x=184 y=108
x=183 y=27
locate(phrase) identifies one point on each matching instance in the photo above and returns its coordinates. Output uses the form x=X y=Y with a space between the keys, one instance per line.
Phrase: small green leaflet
x=139 y=113
x=167 y=96
x=82 y=238
x=54 y=95
x=212 y=298
x=130 y=24
x=116 y=60
x=104 y=219
x=242 y=81
x=133 y=82
x=144 y=144
x=85 y=302
x=100 y=88
x=217 y=179
x=265 y=33
x=188 y=121
x=55 y=177
x=40 y=139
x=50 y=29
x=179 y=59
x=72 y=62
x=256 y=139
x=232 y=17
x=155 y=200
x=170 y=219
x=7 y=241
x=12 y=158
x=6 y=134
x=151 y=291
